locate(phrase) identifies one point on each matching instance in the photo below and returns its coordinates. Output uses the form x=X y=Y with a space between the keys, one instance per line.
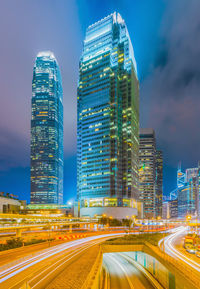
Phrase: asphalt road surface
x=40 y=268
x=123 y=274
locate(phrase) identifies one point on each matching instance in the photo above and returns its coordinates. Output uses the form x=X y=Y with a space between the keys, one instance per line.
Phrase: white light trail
x=172 y=251
x=16 y=269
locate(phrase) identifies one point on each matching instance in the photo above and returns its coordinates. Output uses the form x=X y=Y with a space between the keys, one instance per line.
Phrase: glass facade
x=188 y=192
x=47 y=131
x=159 y=183
x=147 y=172
x=108 y=114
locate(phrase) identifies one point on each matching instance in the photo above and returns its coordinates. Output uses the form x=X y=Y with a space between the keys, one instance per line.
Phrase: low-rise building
x=9 y=203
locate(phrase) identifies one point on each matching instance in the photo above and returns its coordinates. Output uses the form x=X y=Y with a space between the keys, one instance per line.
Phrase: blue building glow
x=47 y=131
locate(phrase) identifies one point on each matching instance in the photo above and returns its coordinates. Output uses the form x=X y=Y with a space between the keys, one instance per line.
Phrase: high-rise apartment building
x=150 y=174
x=47 y=131
x=108 y=118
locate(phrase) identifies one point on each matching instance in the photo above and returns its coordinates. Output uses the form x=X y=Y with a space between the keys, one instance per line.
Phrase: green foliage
x=34 y=241
x=14 y=242
x=115 y=222
x=152 y=238
x=127 y=222
x=11 y=244
x=18 y=242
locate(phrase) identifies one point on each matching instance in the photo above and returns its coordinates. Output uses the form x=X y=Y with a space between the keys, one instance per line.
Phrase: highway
x=122 y=274
x=40 y=268
x=169 y=246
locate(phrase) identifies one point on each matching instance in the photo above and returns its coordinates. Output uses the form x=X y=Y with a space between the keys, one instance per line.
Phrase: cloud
x=27 y=27
x=15 y=150
x=172 y=91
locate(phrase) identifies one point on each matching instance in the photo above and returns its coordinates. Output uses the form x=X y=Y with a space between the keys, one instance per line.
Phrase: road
x=170 y=246
x=43 y=266
x=14 y=255
x=124 y=275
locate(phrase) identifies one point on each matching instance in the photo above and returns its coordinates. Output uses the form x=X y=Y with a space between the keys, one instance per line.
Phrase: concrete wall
x=152 y=265
x=165 y=269
x=115 y=212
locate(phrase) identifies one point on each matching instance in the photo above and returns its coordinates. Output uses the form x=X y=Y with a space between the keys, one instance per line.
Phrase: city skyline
x=14 y=142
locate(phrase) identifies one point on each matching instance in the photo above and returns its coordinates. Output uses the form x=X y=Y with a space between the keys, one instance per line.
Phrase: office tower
x=150 y=174
x=47 y=131
x=173 y=209
x=108 y=117
x=159 y=183
x=188 y=192
x=166 y=210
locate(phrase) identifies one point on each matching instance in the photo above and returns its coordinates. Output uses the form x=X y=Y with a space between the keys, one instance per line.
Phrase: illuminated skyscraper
x=108 y=117
x=47 y=131
x=147 y=171
x=150 y=174
x=188 y=192
x=159 y=183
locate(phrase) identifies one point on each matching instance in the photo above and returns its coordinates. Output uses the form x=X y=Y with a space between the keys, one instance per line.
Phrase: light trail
x=173 y=252
x=68 y=256
x=148 y=275
x=123 y=273
x=16 y=269
x=123 y=270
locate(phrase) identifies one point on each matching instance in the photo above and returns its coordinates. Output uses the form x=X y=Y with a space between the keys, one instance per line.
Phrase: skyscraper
x=108 y=117
x=147 y=171
x=188 y=192
x=159 y=183
x=46 y=131
x=150 y=174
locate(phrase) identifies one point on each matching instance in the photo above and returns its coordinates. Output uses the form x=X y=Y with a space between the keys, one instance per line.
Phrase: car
x=198 y=253
x=191 y=249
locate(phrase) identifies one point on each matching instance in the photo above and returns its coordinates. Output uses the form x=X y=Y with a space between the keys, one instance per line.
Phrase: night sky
x=166 y=41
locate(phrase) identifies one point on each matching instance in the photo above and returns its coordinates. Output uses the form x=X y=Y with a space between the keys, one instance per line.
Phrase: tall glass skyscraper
x=47 y=131
x=108 y=116
x=159 y=183
x=147 y=172
x=150 y=174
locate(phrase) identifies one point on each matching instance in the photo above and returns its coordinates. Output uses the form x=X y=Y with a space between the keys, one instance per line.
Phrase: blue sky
x=167 y=51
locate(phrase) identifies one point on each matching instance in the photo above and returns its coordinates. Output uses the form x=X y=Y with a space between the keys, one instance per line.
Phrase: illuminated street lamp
x=188 y=217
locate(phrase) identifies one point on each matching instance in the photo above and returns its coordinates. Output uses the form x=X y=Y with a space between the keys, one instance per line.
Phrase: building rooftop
x=147 y=131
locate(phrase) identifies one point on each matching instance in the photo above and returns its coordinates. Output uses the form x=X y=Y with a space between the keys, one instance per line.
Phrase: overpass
x=40 y=221
x=50 y=226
